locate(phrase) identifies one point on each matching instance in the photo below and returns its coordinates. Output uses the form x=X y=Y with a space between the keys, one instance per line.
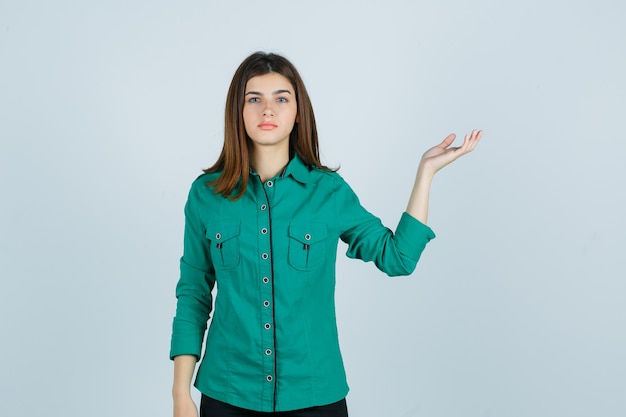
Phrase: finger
x=471 y=140
x=476 y=135
x=466 y=143
x=447 y=141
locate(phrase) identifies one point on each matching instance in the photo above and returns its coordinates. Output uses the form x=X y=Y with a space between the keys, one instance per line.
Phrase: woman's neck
x=268 y=161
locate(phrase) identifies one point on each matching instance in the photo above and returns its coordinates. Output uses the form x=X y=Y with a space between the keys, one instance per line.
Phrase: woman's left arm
x=432 y=161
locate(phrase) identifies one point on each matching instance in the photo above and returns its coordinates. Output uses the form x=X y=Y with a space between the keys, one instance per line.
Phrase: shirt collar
x=295 y=168
x=298 y=170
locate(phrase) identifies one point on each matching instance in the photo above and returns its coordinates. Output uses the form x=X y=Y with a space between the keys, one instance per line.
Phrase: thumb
x=447 y=141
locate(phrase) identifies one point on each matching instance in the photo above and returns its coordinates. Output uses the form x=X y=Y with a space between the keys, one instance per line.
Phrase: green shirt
x=272 y=344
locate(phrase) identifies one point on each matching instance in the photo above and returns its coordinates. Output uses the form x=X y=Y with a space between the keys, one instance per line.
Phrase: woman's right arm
x=184 y=406
x=193 y=307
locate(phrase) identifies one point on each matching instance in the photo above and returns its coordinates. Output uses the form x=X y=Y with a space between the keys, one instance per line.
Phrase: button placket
x=264 y=233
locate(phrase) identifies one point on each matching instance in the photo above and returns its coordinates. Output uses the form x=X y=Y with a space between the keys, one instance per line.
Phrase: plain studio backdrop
x=109 y=110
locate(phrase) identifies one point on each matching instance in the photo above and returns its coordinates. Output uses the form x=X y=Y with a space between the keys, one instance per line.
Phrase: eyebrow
x=274 y=93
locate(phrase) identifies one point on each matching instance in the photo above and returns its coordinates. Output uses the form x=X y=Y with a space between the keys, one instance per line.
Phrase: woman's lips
x=267 y=126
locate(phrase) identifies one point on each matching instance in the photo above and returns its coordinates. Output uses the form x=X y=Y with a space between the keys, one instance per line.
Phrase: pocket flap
x=307 y=233
x=222 y=231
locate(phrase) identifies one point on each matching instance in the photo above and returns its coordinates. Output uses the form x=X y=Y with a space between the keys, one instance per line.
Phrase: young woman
x=264 y=223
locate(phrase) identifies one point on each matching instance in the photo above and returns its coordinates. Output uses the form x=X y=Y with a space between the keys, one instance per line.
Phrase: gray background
x=108 y=111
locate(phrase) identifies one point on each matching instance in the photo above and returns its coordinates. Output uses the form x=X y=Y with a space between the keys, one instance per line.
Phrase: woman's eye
x=254 y=100
x=281 y=100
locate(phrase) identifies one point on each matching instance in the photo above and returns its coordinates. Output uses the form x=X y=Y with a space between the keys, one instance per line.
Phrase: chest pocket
x=307 y=245
x=224 y=237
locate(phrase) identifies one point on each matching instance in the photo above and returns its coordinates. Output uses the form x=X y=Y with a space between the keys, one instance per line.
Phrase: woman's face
x=269 y=110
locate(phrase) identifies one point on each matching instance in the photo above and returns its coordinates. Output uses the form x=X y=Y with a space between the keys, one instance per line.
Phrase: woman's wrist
x=425 y=173
x=181 y=392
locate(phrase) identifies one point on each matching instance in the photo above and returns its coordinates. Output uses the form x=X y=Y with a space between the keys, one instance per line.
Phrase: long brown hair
x=234 y=161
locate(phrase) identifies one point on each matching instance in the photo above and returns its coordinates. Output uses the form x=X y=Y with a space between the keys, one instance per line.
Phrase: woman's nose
x=268 y=110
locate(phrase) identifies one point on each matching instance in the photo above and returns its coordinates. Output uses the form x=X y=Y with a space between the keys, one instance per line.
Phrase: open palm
x=441 y=155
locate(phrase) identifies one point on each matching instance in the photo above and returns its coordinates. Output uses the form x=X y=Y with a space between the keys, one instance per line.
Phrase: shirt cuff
x=412 y=236
x=185 y=341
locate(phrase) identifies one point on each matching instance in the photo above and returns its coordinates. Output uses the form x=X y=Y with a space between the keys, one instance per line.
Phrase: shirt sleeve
x=369 y=240
x=193 y=291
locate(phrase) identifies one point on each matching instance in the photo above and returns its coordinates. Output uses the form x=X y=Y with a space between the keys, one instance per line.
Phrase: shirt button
x=269 y=378
x=307 y=237
x=265 y=256
x=266 y=304
x=218 y=236
x=263 y=206
x=266 y=280
x=269 y=183
x=264 y=231
x=268 y=352
x=268 y=326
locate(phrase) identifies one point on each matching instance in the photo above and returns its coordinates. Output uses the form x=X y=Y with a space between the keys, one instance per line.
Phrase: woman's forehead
x=269 y=82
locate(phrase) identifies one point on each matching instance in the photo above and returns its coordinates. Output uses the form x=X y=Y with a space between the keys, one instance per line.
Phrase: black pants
x=213 y=408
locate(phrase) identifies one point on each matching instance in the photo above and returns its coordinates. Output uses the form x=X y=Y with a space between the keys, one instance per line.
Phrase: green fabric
x=272 y=254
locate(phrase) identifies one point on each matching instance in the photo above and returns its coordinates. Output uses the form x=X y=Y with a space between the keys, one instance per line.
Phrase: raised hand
x=441 y=155
x=432 y=161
